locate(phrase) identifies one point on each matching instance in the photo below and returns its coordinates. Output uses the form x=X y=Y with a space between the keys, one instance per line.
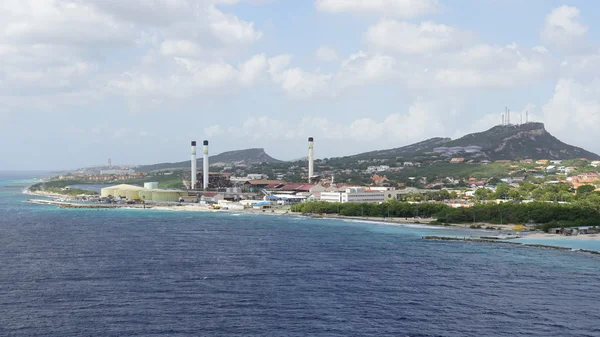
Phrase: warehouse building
x=131 y=192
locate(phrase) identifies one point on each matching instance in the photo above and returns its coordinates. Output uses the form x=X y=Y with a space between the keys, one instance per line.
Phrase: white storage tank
x=151 y=186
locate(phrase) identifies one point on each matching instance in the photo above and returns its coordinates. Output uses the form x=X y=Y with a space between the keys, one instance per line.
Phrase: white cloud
x=189 y=77
x=540 y=49
x=409 y=38
x=301 y=84
x=230 y=29
x=198 y=21
x=324 y=54
x=421 y=120
x=60 y=22
x=397 y=8
x=562 y=28
x=362 y=68
x=573 y=112
x=485 y=66
x=253 y=69
x=527 y=113
x=62 y=48
x=213 y=131
x=179 y=48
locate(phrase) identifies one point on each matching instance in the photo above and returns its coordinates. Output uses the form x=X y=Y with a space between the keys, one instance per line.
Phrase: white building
x=331 y=196
x=211 y=197
x=380 y=168
x=354 y=194
x=595 y=163
x=256 y=176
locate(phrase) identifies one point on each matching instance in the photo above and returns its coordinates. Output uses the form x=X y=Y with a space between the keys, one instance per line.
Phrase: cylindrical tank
x=151 y=185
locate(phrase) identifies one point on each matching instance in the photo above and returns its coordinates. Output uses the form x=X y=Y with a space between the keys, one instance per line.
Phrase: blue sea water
x=157 y=273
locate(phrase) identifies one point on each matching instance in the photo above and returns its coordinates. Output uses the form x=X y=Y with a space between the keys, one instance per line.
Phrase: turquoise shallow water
x=564 y=242
x=160 y=273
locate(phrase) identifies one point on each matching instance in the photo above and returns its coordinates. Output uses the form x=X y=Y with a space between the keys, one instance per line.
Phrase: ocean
x=127 y=272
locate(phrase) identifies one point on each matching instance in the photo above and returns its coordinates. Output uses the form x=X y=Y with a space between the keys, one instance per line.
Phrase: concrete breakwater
x=445 y=238
x=63 y=204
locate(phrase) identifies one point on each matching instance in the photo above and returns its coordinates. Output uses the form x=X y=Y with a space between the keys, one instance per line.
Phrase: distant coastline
x=506 y=230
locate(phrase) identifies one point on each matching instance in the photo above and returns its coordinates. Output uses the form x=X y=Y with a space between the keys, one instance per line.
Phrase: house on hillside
x=457 y=160
x=591 y=176
x=378 y=180
x=542 y=161
x=595 y=163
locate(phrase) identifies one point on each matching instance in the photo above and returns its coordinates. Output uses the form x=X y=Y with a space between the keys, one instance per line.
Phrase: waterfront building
x=211 y=197
x=354 y=194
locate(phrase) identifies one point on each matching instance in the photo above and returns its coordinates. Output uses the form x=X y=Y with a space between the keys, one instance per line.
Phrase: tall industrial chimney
x=311 y=158
x=205 y=162
x=194 y=169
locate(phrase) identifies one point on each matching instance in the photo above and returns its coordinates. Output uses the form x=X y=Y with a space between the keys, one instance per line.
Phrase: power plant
x=311 y=159
x=194 y=169
x=205 y=165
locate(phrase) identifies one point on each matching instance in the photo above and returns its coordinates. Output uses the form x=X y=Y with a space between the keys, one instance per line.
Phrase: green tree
x=515 y=194
x=502 y=191
x=483 y=194
x=584 y=190
x=444 y=195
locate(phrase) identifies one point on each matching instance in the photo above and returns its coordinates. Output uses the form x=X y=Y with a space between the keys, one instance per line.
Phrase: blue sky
x=82 y=81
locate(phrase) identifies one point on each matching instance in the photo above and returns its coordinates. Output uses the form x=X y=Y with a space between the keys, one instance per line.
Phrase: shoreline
x=425 y=222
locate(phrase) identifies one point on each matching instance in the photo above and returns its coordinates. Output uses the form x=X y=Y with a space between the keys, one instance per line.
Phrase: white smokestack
x=205 y=162
x=194 y=169
x=311 y=159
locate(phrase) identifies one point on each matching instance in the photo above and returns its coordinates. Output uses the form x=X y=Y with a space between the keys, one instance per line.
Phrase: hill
x=405 y=151
x=508 y=142
x=511 y=142
x=247 y=156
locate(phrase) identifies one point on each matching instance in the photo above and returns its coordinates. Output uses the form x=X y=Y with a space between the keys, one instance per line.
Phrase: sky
x=82 y=81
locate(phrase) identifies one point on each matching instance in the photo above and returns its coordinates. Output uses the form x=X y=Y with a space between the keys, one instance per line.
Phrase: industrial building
x=216 y=180
x=354 y=194
x=149 y=192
